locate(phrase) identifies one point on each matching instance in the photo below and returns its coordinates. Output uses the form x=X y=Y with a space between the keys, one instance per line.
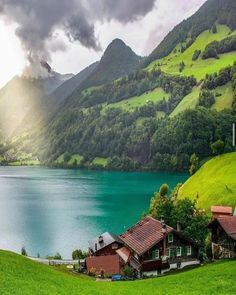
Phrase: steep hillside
x=22 y=95
x=151 y=118
x=212 y=11
x=16 y=99
x=214 y=183
x=199 y=67
x=28 y=277
x=66 y=89
x=118 y=60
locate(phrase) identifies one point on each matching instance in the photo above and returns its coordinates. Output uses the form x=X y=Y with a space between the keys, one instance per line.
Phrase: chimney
x=163 y=230
x=162 y=219
x=178 y=226
x=100 y=239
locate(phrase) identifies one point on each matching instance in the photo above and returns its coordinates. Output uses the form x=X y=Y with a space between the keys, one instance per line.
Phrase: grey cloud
x=37 y=20
x=123 y=10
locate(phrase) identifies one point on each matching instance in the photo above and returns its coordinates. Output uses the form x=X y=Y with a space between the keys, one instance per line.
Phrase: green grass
x=188 y=102
x=60 y=159
x=100 y=161
x=20 y=276
x=76 y=157
x=225 y=100
x=199 y=68
x=25 y=163
x=214 y=182
x=132 y=103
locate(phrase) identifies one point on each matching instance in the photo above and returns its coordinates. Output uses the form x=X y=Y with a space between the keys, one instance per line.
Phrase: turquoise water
x=49 y=210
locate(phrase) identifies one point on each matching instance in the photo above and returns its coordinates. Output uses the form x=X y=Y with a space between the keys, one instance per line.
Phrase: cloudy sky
x=73 y=34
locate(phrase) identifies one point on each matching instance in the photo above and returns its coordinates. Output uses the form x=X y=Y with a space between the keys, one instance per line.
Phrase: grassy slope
x=18 y=275
x=225 y=99
x=199 y=68
x=214 y=182
x=188 y=102
x=60 y=159
x=137 y=101
x=100 y=161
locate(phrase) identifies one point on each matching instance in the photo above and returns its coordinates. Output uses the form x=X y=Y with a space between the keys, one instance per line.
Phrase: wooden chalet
x=103 y=258
x=105 y=244
x=223 y=237
x=151 y=247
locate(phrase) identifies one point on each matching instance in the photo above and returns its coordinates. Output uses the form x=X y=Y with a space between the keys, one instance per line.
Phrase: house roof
x=228 y=223
x=110 y=264
x=144 y=235
x=221 y=209
x=124 y=254
x=107 y=239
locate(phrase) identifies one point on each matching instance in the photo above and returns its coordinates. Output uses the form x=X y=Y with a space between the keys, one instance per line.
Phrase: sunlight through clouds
x=12 y=58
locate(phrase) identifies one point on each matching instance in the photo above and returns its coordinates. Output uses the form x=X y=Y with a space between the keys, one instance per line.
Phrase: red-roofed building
x=155 y=247
x=220 y=211
x=223 y=237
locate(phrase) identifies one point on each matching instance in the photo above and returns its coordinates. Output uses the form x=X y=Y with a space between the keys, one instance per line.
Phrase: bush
x=57 y=256
x=196 y=54
x=217 y=147
x=181 y=66
x=23 y=251
x=128 y=271
x=79 y=254
x=206 y=99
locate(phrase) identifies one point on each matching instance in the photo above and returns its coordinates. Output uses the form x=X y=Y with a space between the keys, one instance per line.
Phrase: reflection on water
x=49 y=210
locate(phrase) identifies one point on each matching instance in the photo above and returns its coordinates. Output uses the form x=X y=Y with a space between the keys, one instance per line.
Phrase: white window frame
x=189 y=250
x=168 y=252
x=179 y=253
x=170 y=238
x=157 y=254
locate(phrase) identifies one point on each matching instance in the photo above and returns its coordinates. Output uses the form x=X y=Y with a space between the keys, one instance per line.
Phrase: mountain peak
x=118 y=60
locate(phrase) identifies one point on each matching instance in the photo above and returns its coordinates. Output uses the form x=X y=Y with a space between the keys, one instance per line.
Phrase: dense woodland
x=148 y=137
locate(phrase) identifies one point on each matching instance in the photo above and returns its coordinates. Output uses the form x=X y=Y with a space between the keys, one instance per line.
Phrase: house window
x=170 y=238
x=189 y=250
x=171 y=252
x=179 y=251
x=155 y=254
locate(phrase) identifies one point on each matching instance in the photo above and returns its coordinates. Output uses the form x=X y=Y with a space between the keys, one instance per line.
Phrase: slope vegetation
x=200 y=67
x=20 y=276
x=222 y=11
x=214 y=183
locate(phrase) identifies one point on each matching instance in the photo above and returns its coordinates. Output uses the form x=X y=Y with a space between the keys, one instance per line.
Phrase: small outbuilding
x=223 y=237
x=221 y=211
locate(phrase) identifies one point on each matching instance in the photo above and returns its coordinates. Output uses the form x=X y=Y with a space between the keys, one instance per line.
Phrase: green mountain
x=68 y=87
x=118 y=60
x=122 y=115
x=211 y=12
x=34 y=278
x=214 y=183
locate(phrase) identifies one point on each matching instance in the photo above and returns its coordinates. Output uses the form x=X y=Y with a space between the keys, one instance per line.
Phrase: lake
x=50 y=210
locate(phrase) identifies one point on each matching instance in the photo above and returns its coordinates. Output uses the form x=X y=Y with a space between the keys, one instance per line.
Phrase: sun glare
x=12 y=60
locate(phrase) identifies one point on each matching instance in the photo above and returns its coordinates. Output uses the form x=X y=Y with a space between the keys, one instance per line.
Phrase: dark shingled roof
x=144 y=235
x=228 y=223
x=108 y=239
